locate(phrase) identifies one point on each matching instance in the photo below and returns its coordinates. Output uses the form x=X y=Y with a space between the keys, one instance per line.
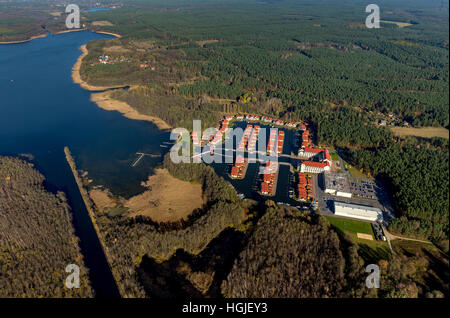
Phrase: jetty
x=142 y=155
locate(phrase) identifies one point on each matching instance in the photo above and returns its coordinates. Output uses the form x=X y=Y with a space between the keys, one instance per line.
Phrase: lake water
x=42 y=110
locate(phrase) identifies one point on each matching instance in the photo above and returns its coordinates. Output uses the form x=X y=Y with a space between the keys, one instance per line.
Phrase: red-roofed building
x=234 y=172
x=314 y=167
x=265 y=188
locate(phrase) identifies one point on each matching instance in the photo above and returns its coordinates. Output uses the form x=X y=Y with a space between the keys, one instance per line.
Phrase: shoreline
x=106 y=102
x=59 y=32
x=108 y=33
x=27 y=40
x=86 y=199
x=70 y=30
x=76 y=76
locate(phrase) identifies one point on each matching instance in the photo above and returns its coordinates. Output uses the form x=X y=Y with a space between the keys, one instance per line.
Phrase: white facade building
x=314 y=167
x=356 y=211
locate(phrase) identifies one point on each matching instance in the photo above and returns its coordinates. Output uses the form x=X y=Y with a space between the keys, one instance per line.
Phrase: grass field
x=354 y=172
x=167 y=199
x=334 y=156
x=399 y=24
x=370 y=250
x=425 y=132
x=351 y=226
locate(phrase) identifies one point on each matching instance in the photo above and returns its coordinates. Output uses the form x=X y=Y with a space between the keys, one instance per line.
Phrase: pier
x=140 y=156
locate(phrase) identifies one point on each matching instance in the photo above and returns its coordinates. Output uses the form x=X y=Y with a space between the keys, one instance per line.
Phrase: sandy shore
x=70 y=30
x=167 y=199
x=108 y=33
x=60 y=32
x=104 y=101
x=28 y=40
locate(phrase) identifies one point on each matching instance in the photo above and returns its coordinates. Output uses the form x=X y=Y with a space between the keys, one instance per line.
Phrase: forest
x=288 y=49
x=37 y=238
x=419 y=181
x=295 y=256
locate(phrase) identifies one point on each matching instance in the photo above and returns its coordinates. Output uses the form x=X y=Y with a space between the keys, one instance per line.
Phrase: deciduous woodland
x=37 y=238
x=292 y=256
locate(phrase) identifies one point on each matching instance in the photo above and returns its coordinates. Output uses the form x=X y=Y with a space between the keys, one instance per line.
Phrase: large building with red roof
x=315 y=167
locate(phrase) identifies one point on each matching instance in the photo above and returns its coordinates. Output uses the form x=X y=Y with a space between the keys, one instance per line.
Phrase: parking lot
x=365 y=188
x=365 y=192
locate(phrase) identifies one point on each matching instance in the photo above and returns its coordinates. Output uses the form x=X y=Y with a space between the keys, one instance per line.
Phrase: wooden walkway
x=142 y=155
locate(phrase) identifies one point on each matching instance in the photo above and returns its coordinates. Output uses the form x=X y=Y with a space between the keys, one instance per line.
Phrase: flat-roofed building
x=357 y=211
x=337 y=184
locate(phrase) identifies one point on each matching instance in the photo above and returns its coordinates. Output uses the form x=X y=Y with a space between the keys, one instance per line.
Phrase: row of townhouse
x=272 y=139
x=314 y=166
x=239 y=168
x=280 y=141
x=270 y=176
x=253 y=139
x=244 y=140
x=304 y=187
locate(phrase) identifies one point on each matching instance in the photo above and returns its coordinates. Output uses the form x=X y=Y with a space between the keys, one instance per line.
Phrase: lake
x=42 y=111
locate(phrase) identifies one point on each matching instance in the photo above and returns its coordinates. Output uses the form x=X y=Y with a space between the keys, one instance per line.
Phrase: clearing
x=204 y=42
x=399 y=24
x=425 y=132
x=167 y=199
x=102 y=23
x=371 y=250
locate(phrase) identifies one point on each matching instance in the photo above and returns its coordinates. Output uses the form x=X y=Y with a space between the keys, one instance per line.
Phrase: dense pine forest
x=37 y=238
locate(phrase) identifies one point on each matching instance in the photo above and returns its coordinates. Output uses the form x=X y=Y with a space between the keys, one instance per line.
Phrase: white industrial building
x=356 y=211
x=337 y=184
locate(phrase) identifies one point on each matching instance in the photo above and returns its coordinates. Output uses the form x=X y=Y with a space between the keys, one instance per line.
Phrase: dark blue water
x=41 y=111
x=250 y=185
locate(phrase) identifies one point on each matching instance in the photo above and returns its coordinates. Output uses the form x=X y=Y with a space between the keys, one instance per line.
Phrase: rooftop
x=357 y=206
x=337 y=181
